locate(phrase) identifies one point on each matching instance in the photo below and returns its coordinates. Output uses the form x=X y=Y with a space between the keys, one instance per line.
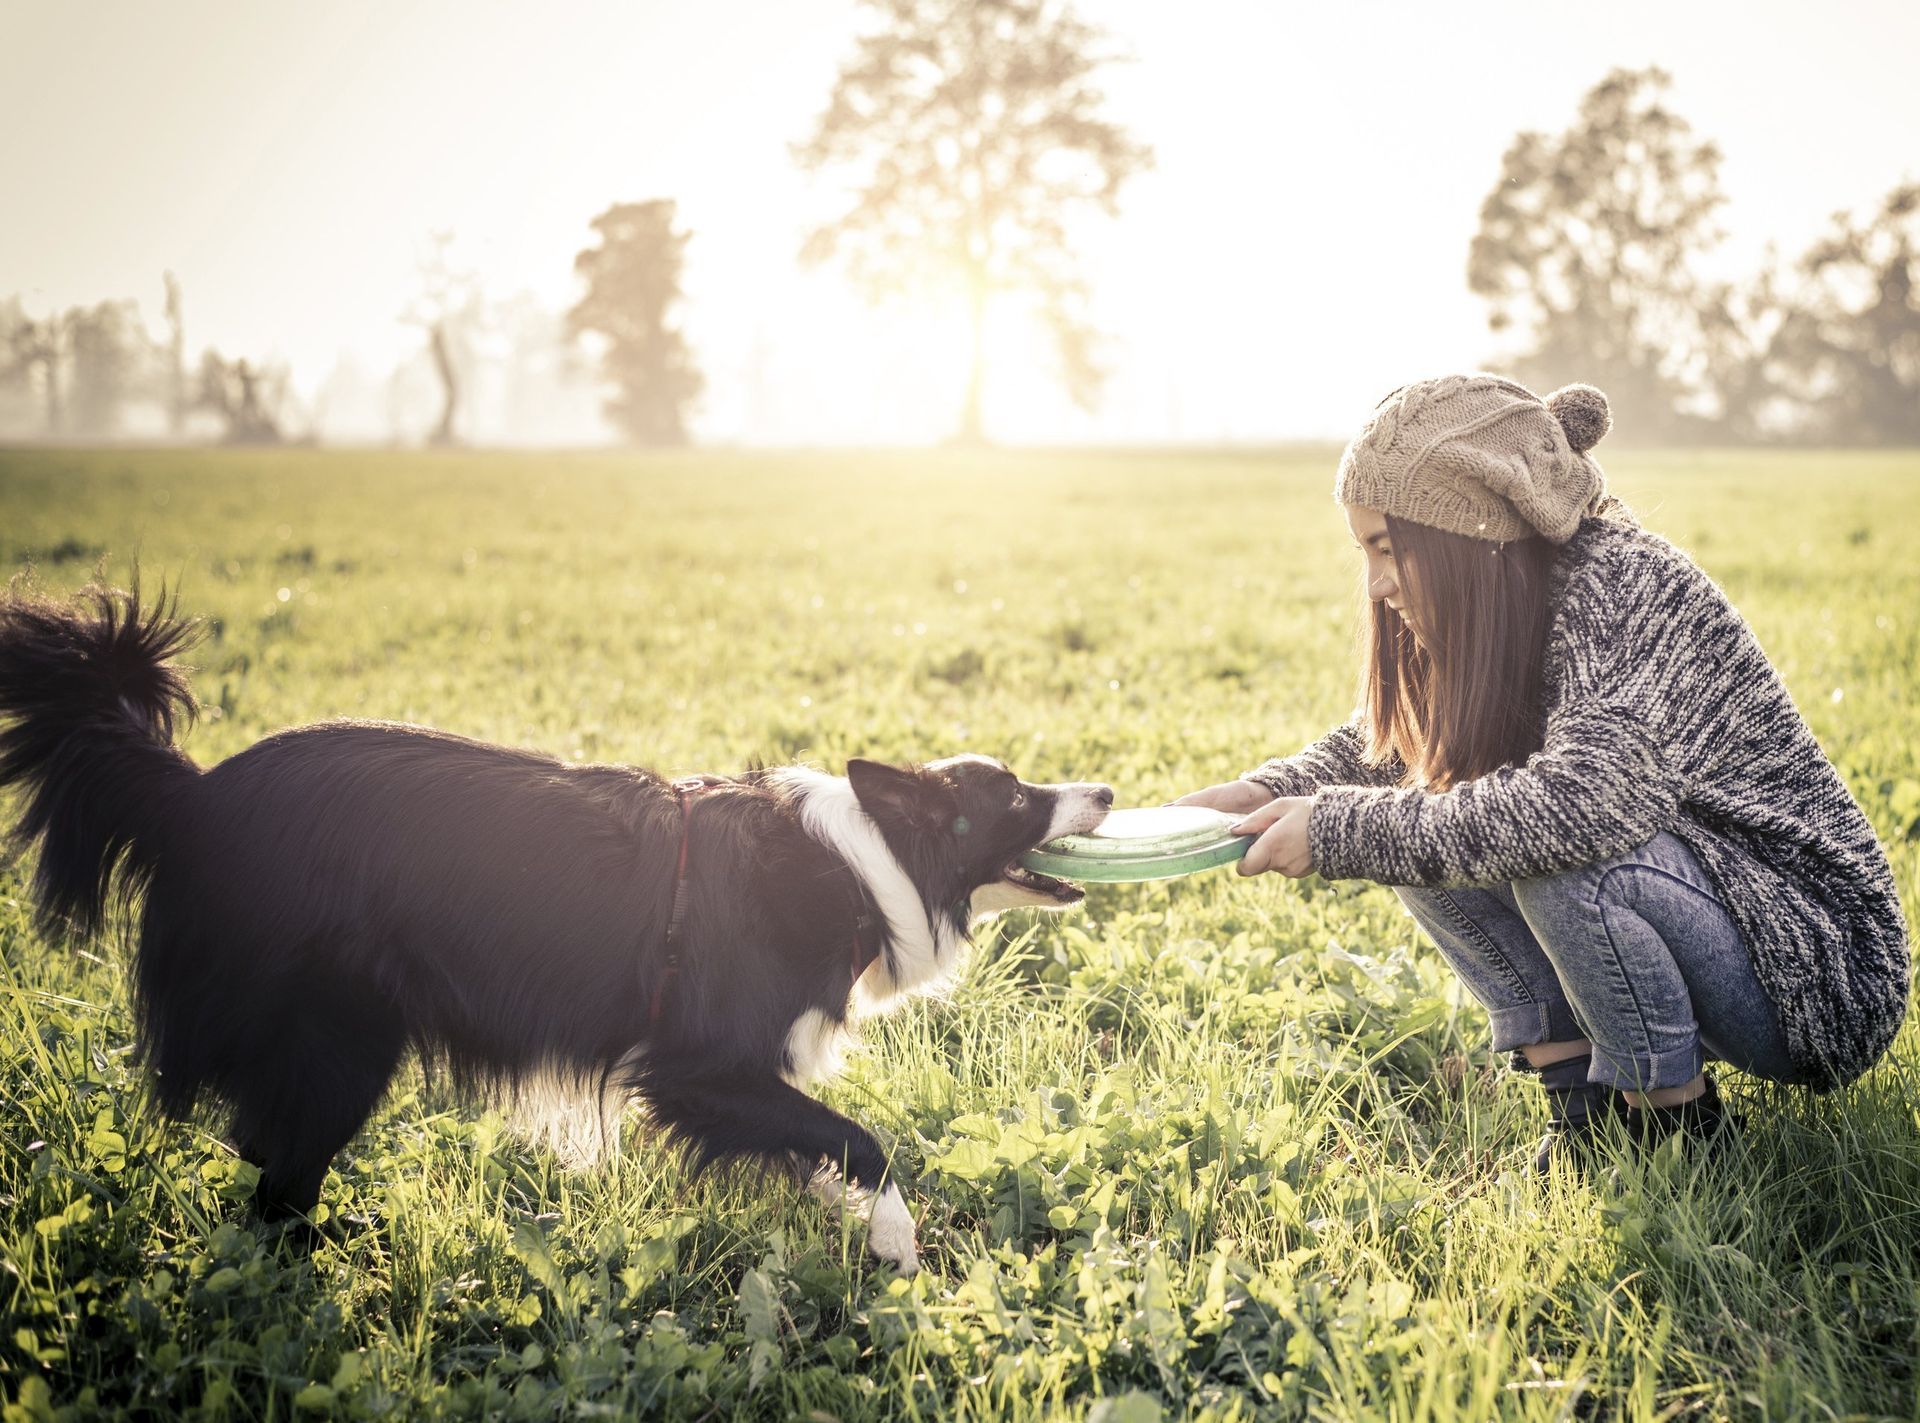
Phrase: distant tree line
x=74 y=374
x=969 y=132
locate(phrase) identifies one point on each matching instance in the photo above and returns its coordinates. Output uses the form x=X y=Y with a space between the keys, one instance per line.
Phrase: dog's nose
x=1104 y=794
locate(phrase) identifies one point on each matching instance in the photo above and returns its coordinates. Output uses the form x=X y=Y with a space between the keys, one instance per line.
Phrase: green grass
x=1208 y=1149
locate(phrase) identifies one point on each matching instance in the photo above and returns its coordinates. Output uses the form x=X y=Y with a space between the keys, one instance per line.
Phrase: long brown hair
x=1463 y=697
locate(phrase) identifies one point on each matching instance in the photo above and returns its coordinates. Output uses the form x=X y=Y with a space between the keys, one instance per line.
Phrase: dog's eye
x=1019 y=800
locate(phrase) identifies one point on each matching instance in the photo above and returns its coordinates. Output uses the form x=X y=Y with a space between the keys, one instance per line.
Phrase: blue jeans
x=1635 y=953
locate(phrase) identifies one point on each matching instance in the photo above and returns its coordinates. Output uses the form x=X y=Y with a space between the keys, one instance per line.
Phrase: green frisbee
x=1160 y=843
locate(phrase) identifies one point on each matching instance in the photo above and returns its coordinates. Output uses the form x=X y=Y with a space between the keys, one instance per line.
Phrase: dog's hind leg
x=308 y=1091
x=742 y=1113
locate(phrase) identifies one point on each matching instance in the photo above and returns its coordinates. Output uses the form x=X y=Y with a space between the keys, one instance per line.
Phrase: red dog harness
x=684 y=791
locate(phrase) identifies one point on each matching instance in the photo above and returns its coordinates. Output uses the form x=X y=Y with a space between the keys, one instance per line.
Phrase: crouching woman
x=1578 y=770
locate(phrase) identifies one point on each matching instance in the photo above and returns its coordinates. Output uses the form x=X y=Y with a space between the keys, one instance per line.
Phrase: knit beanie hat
x=1479 y=455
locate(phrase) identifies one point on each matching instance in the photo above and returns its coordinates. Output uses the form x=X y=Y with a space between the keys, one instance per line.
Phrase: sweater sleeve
x=1601 y=784
x=1333 y=760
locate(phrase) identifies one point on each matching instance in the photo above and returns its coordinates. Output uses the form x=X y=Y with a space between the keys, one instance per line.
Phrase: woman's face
x=1370 y=536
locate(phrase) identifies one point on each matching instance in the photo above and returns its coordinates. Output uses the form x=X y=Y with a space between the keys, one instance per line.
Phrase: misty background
x=233 y=221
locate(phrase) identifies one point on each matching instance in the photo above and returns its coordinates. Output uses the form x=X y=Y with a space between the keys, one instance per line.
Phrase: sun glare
x=904 y=364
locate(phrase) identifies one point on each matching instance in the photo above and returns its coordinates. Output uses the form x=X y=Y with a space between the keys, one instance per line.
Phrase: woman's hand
x=1281 y=825
x=1234 y=797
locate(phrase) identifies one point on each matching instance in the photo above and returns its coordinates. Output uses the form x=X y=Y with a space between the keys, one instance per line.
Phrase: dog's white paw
x=890 y=1231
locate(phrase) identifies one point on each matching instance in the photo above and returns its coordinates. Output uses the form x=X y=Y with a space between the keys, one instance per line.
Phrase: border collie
x=563 y=938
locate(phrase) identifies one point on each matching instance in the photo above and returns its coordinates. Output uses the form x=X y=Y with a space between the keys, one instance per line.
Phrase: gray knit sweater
x=1661 y=713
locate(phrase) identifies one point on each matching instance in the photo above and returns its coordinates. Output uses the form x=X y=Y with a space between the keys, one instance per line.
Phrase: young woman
x=1582 y=776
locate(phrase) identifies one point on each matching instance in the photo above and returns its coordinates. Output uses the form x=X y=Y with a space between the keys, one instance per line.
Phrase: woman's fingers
x=1233 y=797
x=1257 y=820
x=1254 y=862
x=1282 y=846
x=1262 y=855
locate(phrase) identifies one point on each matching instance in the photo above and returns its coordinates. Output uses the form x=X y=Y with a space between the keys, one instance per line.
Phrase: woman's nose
x=1382 y=588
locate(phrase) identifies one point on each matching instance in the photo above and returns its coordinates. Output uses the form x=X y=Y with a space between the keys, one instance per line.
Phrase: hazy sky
x=1299 y=250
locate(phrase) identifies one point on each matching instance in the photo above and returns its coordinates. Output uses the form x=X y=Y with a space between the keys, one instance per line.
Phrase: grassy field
x=1209 y=1149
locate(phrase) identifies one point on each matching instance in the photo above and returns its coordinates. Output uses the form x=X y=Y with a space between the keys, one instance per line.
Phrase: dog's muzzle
x=1077 y=808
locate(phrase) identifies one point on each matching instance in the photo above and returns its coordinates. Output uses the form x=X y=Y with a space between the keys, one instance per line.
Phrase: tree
x=108 y=355
x=1587 y=248
x=972 y=132
x=35 y=355
x=1740 y=325
x=449 y=308
x=632 y=283
x=1849 y=345
x=83 y=366
x=176 y=358
x=247 y=398
x=18 y=406
x=544 y=394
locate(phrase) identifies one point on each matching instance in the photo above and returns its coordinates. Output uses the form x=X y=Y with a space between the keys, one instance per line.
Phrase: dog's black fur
x=336 y=895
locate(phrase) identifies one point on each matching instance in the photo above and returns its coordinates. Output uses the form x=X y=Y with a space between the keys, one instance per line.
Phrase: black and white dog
x=566 y=938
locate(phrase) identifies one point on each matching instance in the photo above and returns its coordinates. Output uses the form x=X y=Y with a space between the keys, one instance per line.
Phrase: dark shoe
x=1704 y=1124
x=1577 y=1111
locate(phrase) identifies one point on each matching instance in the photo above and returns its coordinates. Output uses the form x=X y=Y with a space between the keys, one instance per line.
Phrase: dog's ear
x=896 y=795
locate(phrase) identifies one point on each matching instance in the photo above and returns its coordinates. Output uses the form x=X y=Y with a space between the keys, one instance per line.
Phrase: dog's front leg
x=890 y=1229
x=736 y=1112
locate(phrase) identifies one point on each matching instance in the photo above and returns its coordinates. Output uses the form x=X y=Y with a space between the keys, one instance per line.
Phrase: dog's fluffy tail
x=89 y=696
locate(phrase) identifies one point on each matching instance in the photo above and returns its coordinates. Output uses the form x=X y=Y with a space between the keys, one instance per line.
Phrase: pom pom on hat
x=1582 y=412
